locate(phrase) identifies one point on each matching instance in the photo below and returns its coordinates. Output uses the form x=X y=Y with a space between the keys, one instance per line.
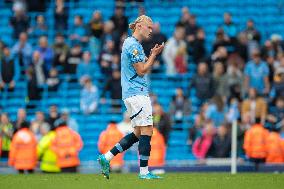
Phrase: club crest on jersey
x=135 y=52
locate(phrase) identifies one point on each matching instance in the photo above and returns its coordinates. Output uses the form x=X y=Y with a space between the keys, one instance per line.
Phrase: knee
x=147 y=130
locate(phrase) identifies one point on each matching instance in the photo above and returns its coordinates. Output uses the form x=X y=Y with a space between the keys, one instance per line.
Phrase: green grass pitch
x=130 y=181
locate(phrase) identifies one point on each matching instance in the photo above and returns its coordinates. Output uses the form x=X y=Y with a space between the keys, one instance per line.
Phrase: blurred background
x=223 y=63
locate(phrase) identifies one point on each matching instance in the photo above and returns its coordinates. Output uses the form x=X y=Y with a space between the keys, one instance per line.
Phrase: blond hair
x=141 y=18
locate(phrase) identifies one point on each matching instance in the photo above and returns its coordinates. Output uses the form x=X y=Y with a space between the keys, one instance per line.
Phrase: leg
x=144 y=148
x=21 y=171
x=124 y=144
x=144 y=152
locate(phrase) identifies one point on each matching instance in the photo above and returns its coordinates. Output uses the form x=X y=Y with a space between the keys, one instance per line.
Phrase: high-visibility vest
x=23 y=153
x=46 y=155
x=158 y=149
x=66 y=145
x=255 y=141
x=107 y=140
x=275 y=151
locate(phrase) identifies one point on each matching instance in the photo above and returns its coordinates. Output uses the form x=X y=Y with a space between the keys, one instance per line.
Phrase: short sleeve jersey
x=132 y=84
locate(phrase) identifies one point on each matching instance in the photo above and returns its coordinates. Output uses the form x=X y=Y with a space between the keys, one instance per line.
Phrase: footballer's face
x=146 y=28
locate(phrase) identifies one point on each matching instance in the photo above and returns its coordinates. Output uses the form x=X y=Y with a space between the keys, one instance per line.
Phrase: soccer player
x=135 y=94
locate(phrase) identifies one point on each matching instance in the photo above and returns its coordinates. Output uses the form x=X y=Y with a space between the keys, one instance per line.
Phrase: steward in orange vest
x=23 y=154
x=158 y=149
x=255 y=143
x=66 y=145
x=108 y=138
x=275 y=145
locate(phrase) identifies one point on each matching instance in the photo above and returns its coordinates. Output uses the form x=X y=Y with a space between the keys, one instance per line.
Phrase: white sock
x=109 y=156
x=144 y=170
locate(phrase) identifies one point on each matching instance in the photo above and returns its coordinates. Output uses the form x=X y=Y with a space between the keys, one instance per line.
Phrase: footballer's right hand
x=157 y=49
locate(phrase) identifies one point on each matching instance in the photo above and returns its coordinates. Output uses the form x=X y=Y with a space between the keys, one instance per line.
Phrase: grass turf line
x=131 y=181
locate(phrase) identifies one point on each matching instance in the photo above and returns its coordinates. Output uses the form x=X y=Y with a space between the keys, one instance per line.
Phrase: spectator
x=276 y=113
x=23 y=50
x=71 y=122
x=37 y=124
x=220 y=55
x=221 y=144
x=233 y=82
x=53 y=116
x=67 y=150
x=20 y=21
x=85 y=68
x=46 y=53
x=181 y=60
x=46 y=156
x=40 y=29
x=23 y=155
x=39 y=69
x=256 y=74
x=255 y=143
x=202 y=144
x=255 y=105
x=89 y=97
x=196 y=46
x=60 y=16
x=185 y=14
x=279 y=83
x=73 y=59
x=78 y=34
x=96 y=25
x=216 y=111
x=162 y=121
x=6 y=134
x=53 y=80
x=106 y=58
x=267 y=50
x=191 y=28
x=21 y=117
x=108 y=35
x=229 y=27
x=113 y=85
x=219 y=79
x=9 y=70
x=242 y=47
x=60 y=49
x=275 y=146
x=120 y=23
x=171 y=48
x=253 y=36
x=180 y=106
x=195 y=131
x=108 y=138
x=36 y=77
x=223 y=40
x=203 y=83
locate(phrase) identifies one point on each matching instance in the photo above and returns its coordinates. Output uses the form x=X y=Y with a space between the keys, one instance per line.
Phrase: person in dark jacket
x=221 y=145
x=203 y=82
x=114 y=87
x=9 y=70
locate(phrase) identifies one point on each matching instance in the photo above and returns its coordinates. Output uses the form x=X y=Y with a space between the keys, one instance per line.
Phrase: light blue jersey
x=132 y=84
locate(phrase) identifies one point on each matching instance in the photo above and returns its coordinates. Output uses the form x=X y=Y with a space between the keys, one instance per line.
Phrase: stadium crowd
x=241 y=79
